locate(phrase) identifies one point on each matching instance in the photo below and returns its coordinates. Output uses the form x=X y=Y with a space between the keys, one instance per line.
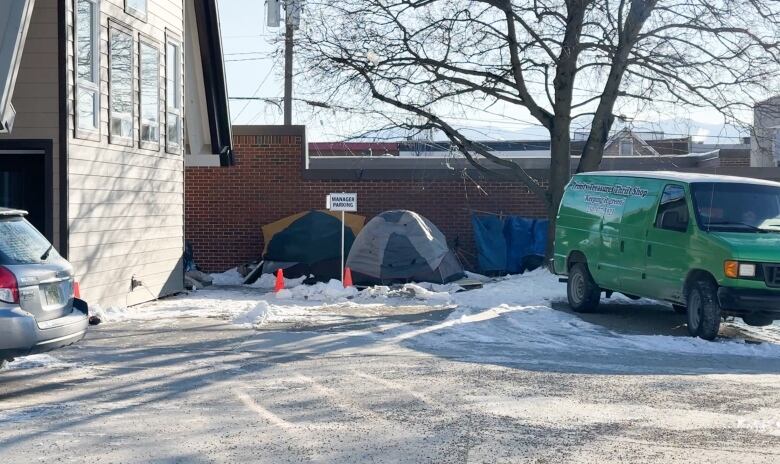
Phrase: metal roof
x=687 y=177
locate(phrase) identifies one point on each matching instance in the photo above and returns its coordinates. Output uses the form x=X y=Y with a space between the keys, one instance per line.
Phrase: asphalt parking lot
x=379 y=386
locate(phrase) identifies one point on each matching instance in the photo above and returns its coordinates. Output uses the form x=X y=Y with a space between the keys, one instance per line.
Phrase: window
x=149 y=77
x=21 y=243
x=626 y=147
x=86 y=36
x=173 y=128
x=120 y=75
x=736 y=207
x=673 y=210
x=136 y=8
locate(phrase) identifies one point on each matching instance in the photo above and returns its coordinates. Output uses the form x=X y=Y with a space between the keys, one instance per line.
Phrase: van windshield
x=21 y=243
x=737 y=207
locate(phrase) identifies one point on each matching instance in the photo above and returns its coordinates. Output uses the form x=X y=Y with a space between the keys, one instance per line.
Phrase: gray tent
x=402 y=246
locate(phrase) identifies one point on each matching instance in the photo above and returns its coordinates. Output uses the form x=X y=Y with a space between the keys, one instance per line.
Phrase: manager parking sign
x=342 y=202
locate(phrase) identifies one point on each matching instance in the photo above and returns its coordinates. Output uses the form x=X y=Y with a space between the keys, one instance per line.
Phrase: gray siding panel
x=126 y=204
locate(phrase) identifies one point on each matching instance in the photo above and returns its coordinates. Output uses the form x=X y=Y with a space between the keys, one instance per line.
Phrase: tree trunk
x=560 y=173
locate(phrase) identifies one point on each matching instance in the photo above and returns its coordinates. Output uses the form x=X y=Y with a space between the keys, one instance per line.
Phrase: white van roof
x=687 y=177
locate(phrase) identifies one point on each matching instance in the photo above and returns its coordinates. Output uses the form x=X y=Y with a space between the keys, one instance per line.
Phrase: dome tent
x=308 y=243
x=402 y=246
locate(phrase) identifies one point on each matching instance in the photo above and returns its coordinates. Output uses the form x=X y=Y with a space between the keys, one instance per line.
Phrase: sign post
x=342 y=202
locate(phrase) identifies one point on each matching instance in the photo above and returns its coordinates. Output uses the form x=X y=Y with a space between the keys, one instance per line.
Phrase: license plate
x=54 y=295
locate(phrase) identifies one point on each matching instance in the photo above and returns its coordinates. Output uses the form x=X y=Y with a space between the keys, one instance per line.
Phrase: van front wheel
x=582 y=291
x=703 y=310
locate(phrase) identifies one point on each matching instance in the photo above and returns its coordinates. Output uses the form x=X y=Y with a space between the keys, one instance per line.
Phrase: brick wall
x=227 y=206
x=734 y=157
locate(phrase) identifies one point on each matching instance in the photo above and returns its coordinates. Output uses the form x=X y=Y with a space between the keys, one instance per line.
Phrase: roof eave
x=215 y=84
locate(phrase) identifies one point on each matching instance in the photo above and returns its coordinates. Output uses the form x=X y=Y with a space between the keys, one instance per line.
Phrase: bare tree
x=558 y=60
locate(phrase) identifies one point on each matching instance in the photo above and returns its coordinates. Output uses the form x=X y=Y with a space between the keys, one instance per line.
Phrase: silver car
x=38 y=308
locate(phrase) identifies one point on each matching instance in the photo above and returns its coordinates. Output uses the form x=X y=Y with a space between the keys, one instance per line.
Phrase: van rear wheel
x=581 y=290
x=703 y=310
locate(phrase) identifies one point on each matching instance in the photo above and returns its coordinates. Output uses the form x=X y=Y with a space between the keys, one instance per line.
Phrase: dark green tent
x=308 y=244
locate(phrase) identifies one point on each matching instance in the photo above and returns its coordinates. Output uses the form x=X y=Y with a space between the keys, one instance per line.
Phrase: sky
x=254 y=68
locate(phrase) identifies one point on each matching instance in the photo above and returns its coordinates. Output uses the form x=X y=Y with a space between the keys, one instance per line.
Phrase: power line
x=270 y=70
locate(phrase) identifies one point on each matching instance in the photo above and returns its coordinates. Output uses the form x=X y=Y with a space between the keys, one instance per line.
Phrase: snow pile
x=330 y=291
x=268 y=282
x=265 y=281
x=254 y=317
x=229 y=277
x=532 y=288
x=423 y=292
x=109 y=314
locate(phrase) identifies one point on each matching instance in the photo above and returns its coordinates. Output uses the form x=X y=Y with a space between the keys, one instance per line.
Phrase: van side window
x=673 y=210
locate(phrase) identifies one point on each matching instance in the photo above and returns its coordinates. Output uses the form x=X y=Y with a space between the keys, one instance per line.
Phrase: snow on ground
x=517 y=311
x=514 y=311
x=37 y=360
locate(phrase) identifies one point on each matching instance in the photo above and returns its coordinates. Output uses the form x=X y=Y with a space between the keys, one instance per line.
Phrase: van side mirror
x=671 y=220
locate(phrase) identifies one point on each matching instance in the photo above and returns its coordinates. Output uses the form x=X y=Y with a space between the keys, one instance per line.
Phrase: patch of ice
x=229 y=277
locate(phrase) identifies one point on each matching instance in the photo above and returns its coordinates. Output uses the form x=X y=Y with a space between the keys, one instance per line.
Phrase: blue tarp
x=491 y=246
x=513 y=244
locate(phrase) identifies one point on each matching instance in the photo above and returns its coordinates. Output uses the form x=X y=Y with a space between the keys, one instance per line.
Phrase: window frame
x=661 y=204
x=115 y=26
x=175 y=40
x=142 y=15
x=91 y=86
x=146 y=41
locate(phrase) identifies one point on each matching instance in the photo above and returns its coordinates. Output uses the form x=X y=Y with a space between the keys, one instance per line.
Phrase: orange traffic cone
x=279 y=281
x=347 y=277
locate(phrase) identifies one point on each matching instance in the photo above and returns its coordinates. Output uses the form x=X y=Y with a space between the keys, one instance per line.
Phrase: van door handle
x=622 y=246
x=649 y=250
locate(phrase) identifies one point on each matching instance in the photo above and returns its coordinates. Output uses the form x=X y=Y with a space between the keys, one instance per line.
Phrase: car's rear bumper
x=749 y=301
x=21 y=334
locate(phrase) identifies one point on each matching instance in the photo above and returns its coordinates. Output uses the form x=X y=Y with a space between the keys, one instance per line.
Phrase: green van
x=707 y=244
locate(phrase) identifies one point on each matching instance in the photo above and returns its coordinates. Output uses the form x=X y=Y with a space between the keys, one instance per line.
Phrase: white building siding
x=125 y=204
